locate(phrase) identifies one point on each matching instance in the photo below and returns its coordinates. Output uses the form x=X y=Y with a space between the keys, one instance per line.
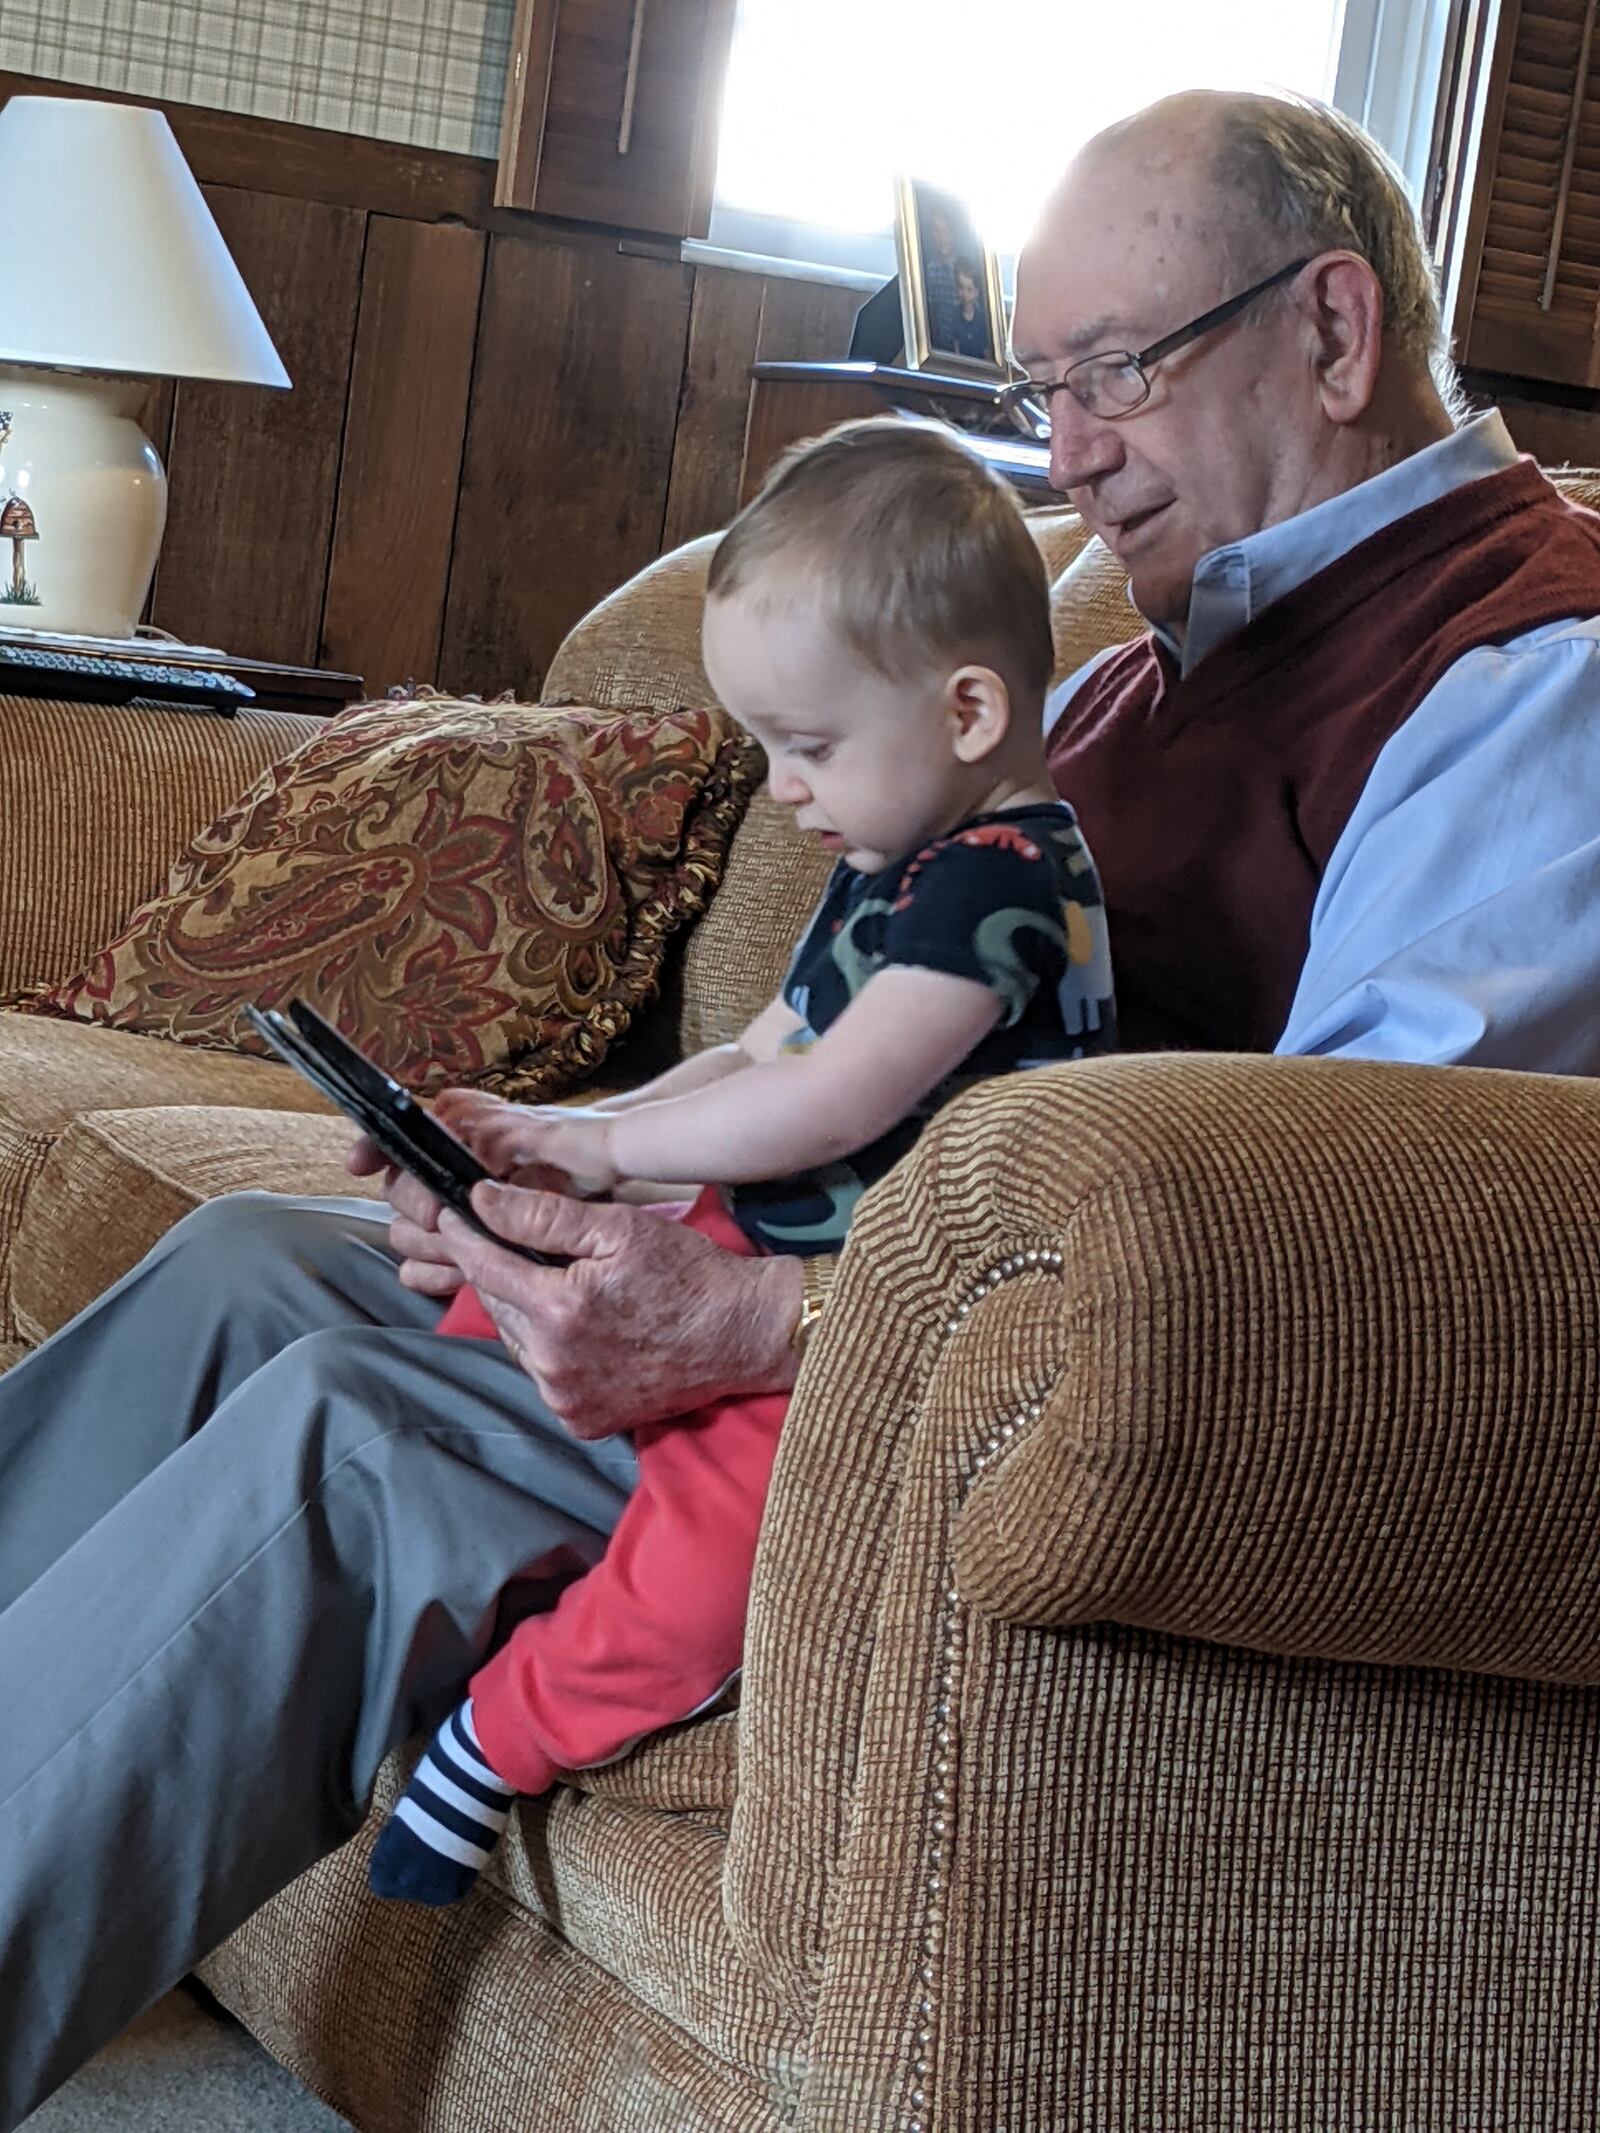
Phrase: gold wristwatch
x=816 y=1278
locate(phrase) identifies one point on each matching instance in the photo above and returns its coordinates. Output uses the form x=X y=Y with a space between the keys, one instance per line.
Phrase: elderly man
x=1342 y=797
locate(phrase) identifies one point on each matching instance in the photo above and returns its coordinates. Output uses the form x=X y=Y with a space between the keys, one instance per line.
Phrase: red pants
x=656 y=1629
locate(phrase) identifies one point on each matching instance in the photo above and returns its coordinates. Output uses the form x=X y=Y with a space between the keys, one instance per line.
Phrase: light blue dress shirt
x=1458 y=921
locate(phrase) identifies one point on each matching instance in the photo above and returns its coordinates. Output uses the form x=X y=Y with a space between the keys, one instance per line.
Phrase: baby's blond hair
x=918 y=551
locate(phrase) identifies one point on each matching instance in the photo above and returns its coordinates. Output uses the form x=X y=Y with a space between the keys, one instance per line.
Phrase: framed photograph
x=950 y=298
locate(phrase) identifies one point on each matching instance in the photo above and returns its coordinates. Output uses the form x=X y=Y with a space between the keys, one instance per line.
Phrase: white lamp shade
x=109 y=257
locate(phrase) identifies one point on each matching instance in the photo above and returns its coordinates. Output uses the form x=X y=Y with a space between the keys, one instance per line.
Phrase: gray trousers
x=210 y=1636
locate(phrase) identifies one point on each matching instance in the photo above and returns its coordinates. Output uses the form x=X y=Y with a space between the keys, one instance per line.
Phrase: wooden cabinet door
x=612 y=111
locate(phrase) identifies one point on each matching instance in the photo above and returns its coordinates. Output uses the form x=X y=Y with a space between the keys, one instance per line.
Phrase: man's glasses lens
x=1111 y=384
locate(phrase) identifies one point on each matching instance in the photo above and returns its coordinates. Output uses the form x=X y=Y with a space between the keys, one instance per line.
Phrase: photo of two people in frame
x=959 y=312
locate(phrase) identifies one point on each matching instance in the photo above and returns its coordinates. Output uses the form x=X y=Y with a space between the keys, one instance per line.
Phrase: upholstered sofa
x=1170 y=1688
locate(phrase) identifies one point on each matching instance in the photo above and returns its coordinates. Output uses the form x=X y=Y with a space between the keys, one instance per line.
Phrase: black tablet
x=405 y=1131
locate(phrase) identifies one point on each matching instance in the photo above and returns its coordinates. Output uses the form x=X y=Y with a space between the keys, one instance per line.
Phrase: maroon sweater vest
x=1212 y=801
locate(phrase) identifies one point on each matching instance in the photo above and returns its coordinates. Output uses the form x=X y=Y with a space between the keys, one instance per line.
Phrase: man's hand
x=481 y=1120
x=650 y=1319
x=426 y=1264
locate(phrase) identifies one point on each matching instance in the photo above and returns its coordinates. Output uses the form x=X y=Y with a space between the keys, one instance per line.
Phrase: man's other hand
x=426 y=1262
x=648 y=1320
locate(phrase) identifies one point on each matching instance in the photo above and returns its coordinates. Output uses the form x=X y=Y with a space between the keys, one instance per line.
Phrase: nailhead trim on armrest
x=939 y=1814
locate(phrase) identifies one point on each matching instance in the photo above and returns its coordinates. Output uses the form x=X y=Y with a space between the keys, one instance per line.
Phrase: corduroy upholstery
x=732 y=968
x=1165 y=1696
x=96 y=800
x=114 y=1183
x=1289 y=1446
x=1089 y=606
x=642 y=646
x=486 y=2018
x=52 y=1072
x=1119 y=1877
x=109 y=796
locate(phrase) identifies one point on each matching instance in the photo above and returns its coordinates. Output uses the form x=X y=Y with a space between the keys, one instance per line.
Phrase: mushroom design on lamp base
x=17 y=526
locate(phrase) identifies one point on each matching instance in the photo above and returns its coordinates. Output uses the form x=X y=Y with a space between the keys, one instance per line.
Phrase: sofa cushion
x=1060 y=534
x=1089 y=607
x=109 y=794
x=692 y=1768
x=50 y=1072
x=482 y=2017
x=640 y=1893
x=470 y=892
x=734 y=961
x=641 y=645
x=116 y=1181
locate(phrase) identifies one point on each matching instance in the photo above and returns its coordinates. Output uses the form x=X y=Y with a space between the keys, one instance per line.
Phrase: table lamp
x=112 y=271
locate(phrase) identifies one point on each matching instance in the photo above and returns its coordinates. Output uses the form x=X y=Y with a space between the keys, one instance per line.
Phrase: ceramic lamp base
x=83 y=503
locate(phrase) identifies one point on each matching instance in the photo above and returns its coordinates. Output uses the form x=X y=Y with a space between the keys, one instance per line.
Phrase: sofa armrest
x=1292 y=1355
x=98 y=800
x=1330 y=1378
x=114 y=1183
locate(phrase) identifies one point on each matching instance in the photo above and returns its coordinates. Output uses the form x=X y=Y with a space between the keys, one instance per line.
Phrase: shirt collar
x=1233 y=585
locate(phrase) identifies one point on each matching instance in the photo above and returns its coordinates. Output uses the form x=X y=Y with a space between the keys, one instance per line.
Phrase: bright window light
x=827 y=99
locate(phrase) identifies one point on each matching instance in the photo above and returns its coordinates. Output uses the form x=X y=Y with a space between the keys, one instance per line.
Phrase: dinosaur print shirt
x=1010 y=900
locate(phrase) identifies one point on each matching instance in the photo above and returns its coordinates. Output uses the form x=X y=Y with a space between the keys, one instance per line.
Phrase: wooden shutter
x=1530 y=272
x=612 y=111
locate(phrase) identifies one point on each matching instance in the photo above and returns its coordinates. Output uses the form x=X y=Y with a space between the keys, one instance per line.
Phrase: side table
x=789 y=401
x=317 y=691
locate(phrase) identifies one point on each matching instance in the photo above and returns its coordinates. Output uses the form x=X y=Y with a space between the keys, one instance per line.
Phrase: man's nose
x=1082 y=445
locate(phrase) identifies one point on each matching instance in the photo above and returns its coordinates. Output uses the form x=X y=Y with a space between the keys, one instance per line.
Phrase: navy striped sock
x=446 y=1822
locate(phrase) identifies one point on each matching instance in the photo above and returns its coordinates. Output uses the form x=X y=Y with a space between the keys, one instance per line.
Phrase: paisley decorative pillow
x=469 y=892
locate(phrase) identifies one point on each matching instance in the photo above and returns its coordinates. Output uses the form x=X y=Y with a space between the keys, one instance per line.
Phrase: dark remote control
x=102 y=677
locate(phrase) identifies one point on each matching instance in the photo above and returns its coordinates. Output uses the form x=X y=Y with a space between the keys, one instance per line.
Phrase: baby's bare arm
x=513 y=1141
x=760 y=1039
x=898 y=1039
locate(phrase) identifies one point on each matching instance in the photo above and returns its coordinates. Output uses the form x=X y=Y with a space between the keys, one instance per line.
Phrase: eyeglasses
x=1115 y=382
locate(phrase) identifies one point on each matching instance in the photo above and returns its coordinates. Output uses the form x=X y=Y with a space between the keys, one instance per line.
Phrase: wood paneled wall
x=495 y=419
x=1558 y=428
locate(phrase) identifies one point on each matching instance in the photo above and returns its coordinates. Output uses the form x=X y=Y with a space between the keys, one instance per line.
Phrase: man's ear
x=979 y=705
x=1346 y=314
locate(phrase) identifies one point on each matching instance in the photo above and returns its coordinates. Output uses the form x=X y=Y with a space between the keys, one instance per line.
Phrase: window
x=826 y=99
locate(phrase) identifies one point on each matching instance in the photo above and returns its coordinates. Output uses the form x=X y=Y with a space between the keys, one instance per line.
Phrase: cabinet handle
x=630 y=87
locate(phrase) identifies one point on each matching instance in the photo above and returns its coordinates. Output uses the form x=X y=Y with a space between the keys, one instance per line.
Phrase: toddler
x=878 y=618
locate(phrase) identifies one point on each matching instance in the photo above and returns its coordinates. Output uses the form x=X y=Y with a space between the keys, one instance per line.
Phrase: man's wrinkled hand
x=649 y=1319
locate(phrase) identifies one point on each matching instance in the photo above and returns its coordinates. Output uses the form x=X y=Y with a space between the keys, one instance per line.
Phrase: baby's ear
x=980 y=711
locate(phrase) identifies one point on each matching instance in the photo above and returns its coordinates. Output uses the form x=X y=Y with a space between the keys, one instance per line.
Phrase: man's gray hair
x=1314 y=177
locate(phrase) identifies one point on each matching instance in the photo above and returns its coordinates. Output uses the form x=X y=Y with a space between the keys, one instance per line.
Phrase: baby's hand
x=524 y=1144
